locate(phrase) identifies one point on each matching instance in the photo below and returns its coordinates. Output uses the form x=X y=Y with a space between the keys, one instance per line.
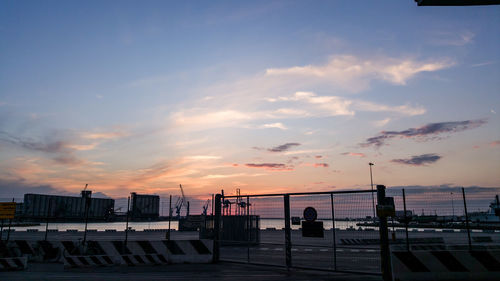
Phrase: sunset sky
x=265 y=96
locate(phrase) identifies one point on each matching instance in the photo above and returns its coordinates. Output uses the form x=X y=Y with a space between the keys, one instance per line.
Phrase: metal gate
x=271 y=229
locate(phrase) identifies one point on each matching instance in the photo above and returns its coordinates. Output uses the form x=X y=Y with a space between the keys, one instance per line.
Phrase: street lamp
x=371 y=180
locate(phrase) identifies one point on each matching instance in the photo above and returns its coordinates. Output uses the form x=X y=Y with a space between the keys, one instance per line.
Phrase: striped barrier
x=109 y=253
x=89 y=261
x=174 y=251
x=10 y=264
x=445 y=265
x=149 y=259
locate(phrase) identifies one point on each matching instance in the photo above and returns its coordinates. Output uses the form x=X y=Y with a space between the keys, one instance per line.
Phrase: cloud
x=419 y=160
x=35 y=145
x=381 y=123
x=431 y=129
x=357 y=154
x=324 y=165
x=483 y=63
x=495 y=143
x=332 y=104
x=355 y=73
x=318 y=156
x=270 y=166
x=203 y=157
x=274 y=125
x=283 y=147
x=453 y=38
x=338 y=106
x=103 y=135
x=17 y=188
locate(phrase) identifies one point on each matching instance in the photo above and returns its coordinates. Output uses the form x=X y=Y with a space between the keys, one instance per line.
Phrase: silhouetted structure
x=145 y=206
x=40 y=206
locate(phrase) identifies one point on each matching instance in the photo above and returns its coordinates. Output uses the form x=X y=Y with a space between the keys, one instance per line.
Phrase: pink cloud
x=358 y=154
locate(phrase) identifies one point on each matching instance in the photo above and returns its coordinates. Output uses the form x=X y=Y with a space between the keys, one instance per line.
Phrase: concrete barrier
x=445 y=265
x=109 y=253
x=89 y=261
x=11 y=264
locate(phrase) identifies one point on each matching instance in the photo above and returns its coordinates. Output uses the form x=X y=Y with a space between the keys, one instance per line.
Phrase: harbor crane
x=205 y=207
x=181 y=201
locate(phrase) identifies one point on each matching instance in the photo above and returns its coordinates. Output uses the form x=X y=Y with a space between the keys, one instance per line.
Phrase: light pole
x=371 y=180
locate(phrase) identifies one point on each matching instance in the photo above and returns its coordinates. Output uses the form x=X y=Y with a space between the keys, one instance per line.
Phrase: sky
x=264 y=96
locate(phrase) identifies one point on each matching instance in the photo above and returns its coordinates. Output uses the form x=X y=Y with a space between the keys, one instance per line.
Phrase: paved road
x=222 y=271
x=349 y=259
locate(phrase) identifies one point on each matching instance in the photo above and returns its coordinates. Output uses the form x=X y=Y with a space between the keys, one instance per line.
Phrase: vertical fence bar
x=385 y=254
x=249 y=234
x=288 y=235
x=126 y=225
x=169 y=216
x=10 y=224
x=406 y=222
x=47 y=219
x=217 y=223
x=334 y=237
x=466 y=219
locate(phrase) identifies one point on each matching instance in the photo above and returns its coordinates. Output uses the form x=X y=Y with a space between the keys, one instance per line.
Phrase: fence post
x=170 y=216
x=288 y=236
x=126 y=225
x=334 y=237
x=385 y=254
x=466 y=219
x=406 y=222
x=217 y=223
x=249 y=233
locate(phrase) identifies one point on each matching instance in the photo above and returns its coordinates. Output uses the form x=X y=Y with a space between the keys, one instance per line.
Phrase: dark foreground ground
x=222 y=271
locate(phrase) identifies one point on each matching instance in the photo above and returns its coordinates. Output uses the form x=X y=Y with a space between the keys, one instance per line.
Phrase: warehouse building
x=145 y=206
x=39 y=206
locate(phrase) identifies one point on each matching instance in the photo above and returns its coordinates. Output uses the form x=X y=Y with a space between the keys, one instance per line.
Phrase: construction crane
x=205 y=207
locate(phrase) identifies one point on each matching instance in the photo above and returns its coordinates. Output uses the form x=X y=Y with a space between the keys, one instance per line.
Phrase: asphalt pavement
x=221 y=271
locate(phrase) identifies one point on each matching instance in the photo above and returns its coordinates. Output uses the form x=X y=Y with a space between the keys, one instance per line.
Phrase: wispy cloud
x=431 y=129
x=355 y=73
x=495 y=143
x=274 y=125
x=103 y=135
x=337 y=106
x=270 y=166
x=381 y=123
x=356 y=154
x=483 y=63
x=455 y=38
x=324 y=165
x=283 y=147
x=418 y=160
x=203 y=157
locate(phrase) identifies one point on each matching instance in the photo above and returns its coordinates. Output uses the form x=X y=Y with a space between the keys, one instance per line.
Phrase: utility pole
x=371 y=180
